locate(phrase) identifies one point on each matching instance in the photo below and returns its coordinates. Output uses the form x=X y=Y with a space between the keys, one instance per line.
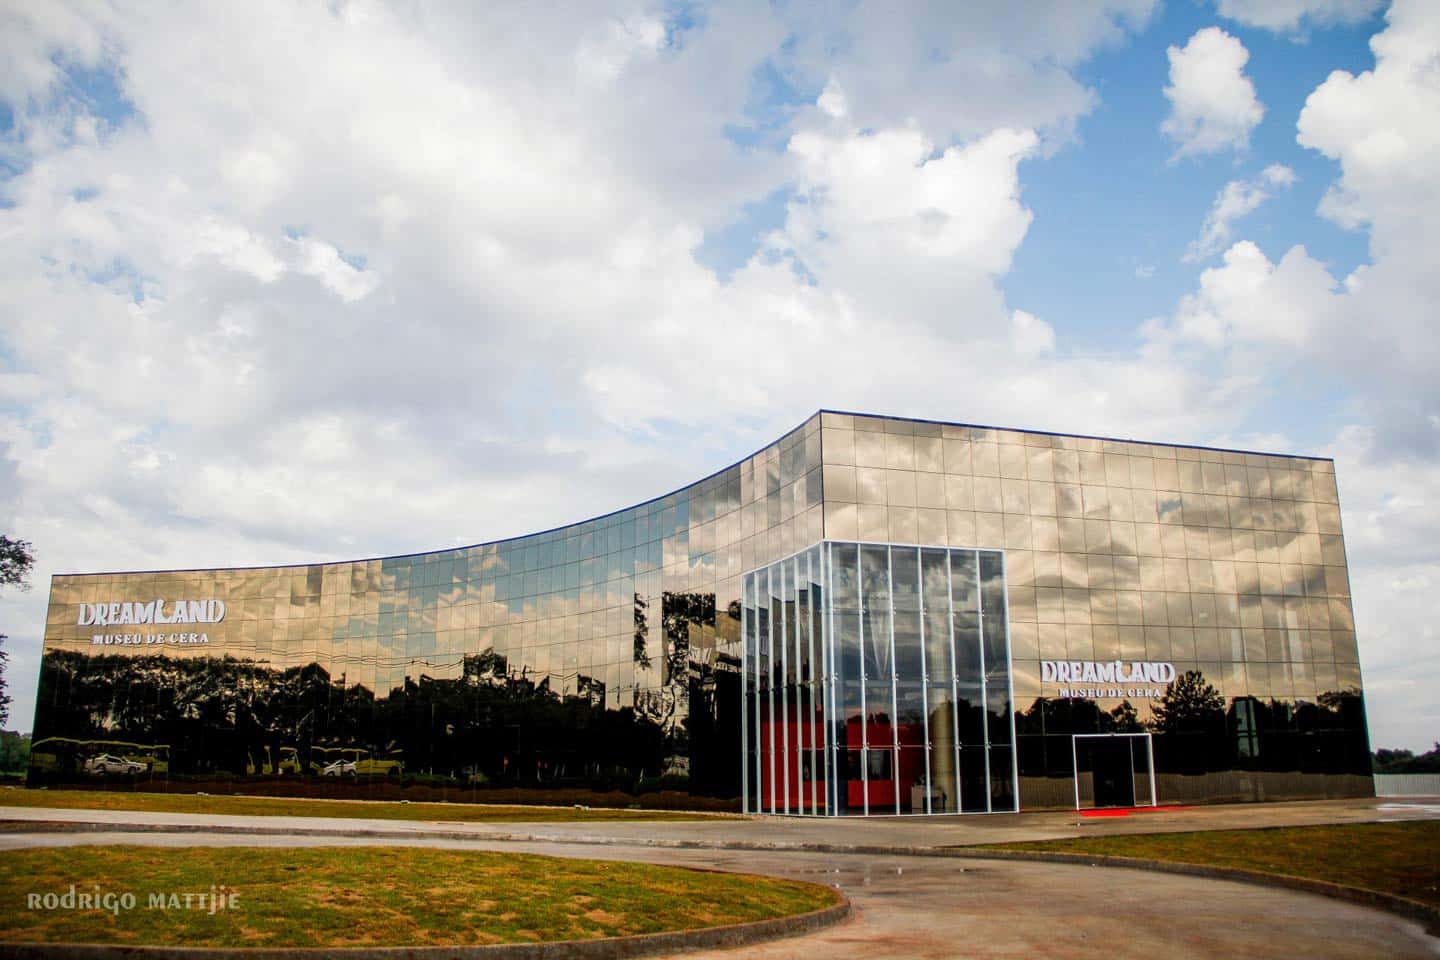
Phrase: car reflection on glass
x=340 y=768
x=106 y=764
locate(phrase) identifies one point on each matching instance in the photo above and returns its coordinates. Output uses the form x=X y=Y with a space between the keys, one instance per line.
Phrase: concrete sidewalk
x=909 y=834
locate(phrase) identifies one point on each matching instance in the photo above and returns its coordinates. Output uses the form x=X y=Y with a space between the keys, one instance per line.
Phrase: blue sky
x=1113 y=211
x=261 y=302
x=1114 y=201
x=1111 y=201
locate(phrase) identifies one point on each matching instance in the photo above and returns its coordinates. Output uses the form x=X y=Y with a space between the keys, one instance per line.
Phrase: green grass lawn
x=294 y=807
x=1402 y=859
x=375 y=896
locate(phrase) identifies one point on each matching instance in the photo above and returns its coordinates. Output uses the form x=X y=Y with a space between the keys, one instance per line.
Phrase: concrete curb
x=610 y=948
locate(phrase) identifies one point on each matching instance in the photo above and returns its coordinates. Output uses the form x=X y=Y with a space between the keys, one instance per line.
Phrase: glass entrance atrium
x=877 y=681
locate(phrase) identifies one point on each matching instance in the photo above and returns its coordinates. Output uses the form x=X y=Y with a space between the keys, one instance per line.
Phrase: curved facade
x=870 y=615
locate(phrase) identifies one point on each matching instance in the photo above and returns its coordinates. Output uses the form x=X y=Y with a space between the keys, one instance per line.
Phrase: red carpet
x=1126 y=811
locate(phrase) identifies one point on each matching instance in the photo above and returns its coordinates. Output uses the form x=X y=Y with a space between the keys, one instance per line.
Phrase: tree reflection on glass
x=492 y=725
x=1189 y=705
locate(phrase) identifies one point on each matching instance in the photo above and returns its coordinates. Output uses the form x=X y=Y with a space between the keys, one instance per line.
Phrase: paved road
x=924 y=907
x=790 y=831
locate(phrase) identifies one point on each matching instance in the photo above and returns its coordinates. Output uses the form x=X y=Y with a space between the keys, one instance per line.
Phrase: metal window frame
x=745 y=694
x=864 y=710
x=822 y=554
x=984 y=682
x=831 y=710
x=770 y=687
x=800 y=686
x=1149 y=757
x=894 y=678
x=759 y=805
x=1010 y=677
x=812 y=584
x=924 y=674
x=778 y=599
x=954 y=676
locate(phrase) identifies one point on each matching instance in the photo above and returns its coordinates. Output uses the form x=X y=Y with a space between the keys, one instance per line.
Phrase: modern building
x=869 y=616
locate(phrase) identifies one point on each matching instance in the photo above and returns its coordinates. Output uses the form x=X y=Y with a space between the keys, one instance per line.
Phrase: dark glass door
x=1114 y=777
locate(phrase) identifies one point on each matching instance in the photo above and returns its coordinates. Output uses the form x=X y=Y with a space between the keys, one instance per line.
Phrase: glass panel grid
x=866 y=669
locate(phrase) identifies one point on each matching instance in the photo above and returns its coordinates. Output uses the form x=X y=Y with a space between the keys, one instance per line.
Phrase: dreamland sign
x=155 y=611
x=1112 y=679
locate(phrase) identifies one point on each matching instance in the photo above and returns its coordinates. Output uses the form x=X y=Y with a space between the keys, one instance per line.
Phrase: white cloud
x=832 y=101
x=605 y=55
x=927 y=65
x=1278 y=175
x=204 y=374
x=1032 y=336
x=1250 y=299
x=1235 y=200
x=1391 y=532
x=322 y=261
x=196 y=375
x=878 y=214
x=1288 y=16
x=1381 y=127
x=1365 y=340
x=233 y=247
x=1213 y=106
x=34 y=36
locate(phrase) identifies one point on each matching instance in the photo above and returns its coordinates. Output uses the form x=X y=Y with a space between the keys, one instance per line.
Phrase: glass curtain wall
x=877 y=681
x=598 y=661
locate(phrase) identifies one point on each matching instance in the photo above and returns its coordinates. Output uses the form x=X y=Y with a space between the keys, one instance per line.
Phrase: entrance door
x=1113 y=770
x=1114 y=775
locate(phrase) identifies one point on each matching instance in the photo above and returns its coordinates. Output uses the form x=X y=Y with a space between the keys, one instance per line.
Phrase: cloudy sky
x=300 y=281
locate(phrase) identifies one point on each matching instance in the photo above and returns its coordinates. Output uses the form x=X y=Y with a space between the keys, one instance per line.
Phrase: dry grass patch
x=376 y=896
x=295 y=807
x=1401 y=859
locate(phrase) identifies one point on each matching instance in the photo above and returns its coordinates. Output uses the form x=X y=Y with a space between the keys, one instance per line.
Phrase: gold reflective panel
x=1228 y=566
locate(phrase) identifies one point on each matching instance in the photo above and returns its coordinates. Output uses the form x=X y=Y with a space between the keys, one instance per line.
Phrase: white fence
x=1407 y=784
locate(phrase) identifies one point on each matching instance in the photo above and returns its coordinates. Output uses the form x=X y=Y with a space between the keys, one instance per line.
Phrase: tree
x=642 y=633
x=1126 y=718
x=14 y=752
x=16 y=559
x=4 y=697
x=1405 y=761
x=1189 y=705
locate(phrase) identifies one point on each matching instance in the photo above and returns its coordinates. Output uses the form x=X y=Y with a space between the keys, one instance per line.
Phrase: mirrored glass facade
x=1197 y=597
x=1221 y=571
x=597 y=662
x=877 y=681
